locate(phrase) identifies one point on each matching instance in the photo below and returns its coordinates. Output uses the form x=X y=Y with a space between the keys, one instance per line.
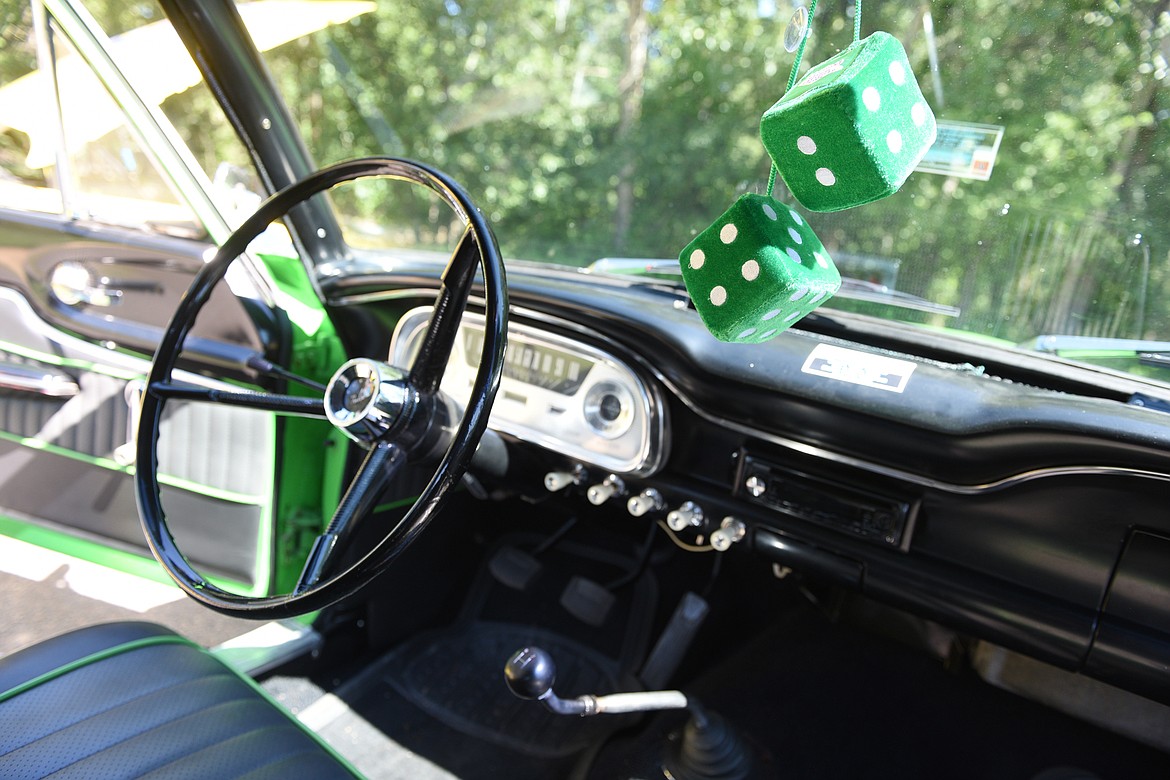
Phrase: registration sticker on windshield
x=859 y=368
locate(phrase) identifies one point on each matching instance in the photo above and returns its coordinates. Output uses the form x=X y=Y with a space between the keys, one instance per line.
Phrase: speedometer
x=553 y=369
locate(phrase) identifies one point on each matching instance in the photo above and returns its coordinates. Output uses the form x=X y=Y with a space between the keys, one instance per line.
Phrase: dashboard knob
x=688 y=515
x=649 y=500
x=606 y=489
x=756 y=486
x=730 y=531
x=559 y=480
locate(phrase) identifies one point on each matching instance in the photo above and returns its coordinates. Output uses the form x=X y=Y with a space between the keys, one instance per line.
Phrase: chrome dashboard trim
x=803 y=448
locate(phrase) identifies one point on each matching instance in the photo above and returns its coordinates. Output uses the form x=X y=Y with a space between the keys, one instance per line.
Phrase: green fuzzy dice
x=852 y=129
x=757 y=270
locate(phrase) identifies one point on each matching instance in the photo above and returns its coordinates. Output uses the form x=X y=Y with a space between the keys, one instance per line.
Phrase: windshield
x=620 y=130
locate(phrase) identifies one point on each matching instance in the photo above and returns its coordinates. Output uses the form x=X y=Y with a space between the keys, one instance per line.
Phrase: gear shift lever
x=531 y=672
x=709 y=749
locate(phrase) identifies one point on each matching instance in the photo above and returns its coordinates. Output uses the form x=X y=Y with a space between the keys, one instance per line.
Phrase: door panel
x=66 y=459
x=133 y=282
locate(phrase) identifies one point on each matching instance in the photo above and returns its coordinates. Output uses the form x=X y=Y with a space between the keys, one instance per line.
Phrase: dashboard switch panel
x=731 y=531
x=884 y=519
x=559 y=480
x=605 y=490
x=649 y=500
x=688 y=515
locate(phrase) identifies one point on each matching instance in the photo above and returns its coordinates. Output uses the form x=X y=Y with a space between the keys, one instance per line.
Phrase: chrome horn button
x=365 y=398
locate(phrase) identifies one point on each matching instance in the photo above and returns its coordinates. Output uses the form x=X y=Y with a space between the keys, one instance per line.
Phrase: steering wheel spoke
x=377 y=471
x=265 y=402
x=428 y=368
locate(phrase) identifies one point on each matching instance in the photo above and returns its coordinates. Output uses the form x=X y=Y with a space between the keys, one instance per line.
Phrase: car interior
x=500 y=518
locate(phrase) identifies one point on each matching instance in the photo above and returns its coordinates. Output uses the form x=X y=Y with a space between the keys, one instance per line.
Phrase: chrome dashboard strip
x=791 y=444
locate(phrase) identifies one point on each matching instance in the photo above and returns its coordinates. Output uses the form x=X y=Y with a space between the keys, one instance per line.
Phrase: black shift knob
x=530 y=673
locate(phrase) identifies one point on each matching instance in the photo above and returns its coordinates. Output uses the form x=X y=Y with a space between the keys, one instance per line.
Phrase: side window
x=109 y=176
x=153 y=58
x=27 y=173
x=114 y=180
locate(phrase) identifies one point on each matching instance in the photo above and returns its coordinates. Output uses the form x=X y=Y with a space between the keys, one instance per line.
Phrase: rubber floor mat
x=457 y=677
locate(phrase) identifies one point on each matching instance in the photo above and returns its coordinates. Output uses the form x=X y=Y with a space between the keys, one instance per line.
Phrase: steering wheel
x=394 y=415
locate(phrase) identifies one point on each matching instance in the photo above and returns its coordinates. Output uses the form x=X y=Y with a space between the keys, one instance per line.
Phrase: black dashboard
x=1011 y=497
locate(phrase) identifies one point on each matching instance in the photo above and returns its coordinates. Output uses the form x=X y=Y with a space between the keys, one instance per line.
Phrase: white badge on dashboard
x=859 y=368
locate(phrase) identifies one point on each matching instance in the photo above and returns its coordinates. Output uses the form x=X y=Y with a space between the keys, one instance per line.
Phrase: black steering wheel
x=395 y=415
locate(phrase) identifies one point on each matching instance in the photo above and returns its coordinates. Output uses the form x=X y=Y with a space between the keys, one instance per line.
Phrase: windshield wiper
x=1148 y=352
x=658 y=270
x=1059 y=343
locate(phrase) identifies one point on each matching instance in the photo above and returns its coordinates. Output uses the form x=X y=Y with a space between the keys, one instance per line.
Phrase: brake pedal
x=587 y=601
x=514 y=568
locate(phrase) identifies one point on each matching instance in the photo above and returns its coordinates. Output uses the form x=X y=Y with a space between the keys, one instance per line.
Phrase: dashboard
x=1012 y=498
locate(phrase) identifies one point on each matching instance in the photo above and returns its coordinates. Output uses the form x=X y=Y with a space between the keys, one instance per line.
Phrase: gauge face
x=532 y=364
x=609 y=409
x=556 y=392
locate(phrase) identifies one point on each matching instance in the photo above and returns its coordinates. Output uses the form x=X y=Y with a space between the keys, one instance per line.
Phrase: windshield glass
x=620 y=130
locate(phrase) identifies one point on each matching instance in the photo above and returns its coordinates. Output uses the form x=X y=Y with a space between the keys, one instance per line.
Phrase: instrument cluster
x=567 y=396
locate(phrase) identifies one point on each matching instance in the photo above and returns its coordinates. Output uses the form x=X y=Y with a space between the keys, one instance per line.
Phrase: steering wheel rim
x=423 y=383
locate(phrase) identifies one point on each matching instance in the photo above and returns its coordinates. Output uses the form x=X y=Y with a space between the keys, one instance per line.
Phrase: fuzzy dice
x=757 y=270
x=852 y=129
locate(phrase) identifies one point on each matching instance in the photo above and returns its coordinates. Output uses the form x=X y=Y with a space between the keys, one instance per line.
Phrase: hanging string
x=792 y=79
x=856 y=20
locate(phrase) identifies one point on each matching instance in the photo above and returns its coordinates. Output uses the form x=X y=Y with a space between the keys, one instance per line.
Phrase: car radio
x=875 y=517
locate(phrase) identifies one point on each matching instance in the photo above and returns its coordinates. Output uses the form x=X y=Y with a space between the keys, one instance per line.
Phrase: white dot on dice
x=698 y=257
x=795 y=235
x=769 y=212
x=897 y=73
x=770 y=315
x=792 y=316
x=718 y=296
x=728 y=233
x=750 y=270
x=806 y=145
x=918 y=114
x=872 y=98
x=799 y=293
x=746 y=333
x=821 y=260
x=792 y=253
x=826 y=177
x=796 y=217
x=894 y=141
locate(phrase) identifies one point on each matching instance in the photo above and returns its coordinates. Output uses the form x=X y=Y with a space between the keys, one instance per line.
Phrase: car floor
x=821 y=699
x=814 y=696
